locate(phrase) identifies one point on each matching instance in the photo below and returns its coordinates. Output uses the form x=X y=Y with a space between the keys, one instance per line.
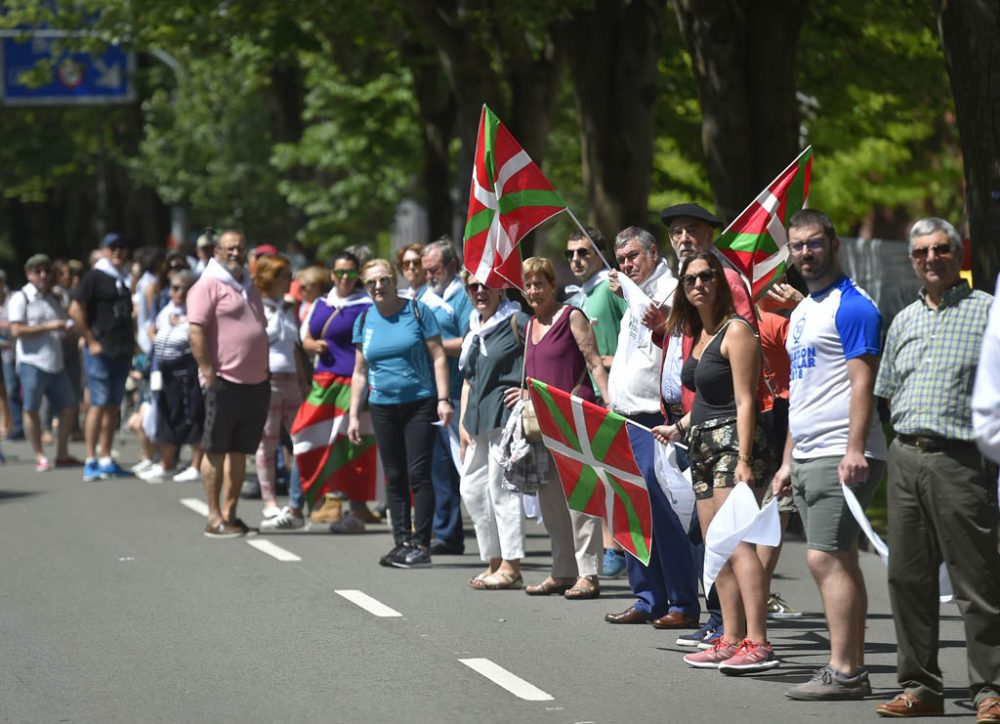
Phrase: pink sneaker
x=42 y=465
x=711 y=658
x=749 y=657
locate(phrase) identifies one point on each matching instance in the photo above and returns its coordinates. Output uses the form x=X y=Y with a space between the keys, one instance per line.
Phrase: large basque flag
x=595 y=451
x=328 y=461
x=756 y=244
x=509 y=197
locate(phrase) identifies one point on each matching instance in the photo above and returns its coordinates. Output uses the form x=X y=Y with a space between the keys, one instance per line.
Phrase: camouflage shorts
x=714 y=449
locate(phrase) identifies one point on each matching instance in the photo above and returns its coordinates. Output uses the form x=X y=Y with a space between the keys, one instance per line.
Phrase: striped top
x=929 y=363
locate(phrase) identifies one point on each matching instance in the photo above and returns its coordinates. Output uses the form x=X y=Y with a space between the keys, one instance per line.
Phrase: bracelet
x=679 y=426
x=444 y=399
x=744 y=458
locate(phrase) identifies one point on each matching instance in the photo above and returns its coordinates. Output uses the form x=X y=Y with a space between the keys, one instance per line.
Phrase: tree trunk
x=743 y=56
x=970 y=37
x=612 y=52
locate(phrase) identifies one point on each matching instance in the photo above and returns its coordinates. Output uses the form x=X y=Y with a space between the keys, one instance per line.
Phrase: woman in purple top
x=321 y=424
x=560 y=350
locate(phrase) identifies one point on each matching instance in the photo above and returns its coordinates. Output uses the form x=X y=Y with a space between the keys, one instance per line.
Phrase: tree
x=970 y=36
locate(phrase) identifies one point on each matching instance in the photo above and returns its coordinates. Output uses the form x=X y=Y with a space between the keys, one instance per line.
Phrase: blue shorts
x=105 y=378
x=36 y=382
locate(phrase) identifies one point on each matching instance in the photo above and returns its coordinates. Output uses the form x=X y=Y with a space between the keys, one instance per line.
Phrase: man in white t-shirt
x=834 y=438
x=39 y=322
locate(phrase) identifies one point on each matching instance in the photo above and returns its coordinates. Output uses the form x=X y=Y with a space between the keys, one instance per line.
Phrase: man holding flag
x=666 y=589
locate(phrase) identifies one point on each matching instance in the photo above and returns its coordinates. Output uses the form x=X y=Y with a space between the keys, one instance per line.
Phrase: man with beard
x=229 y=343
x=834 y=440
x=102 y=314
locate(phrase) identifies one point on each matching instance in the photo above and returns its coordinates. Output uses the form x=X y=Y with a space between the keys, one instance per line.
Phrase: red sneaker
x=749 y=657
x=711 y=658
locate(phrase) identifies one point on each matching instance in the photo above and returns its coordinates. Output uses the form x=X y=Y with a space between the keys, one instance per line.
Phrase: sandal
x=583 y=593
x=477 y=580
x=548 y=587
x=506 y=582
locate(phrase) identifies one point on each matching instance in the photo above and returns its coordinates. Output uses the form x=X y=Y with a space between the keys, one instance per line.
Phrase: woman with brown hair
x=727 y=446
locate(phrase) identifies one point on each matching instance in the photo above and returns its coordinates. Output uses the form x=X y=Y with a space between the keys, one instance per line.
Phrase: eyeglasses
x=372 y=283
x=814 y=244
x=921 y=252
x=348 y=273
x=411 y=264
x=690 y=280
x=474 y=287
x=582 y=253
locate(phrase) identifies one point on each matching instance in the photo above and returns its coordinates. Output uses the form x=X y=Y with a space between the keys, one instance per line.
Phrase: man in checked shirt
x=942 y=492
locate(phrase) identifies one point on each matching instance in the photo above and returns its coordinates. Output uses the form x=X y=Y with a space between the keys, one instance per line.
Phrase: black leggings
x=405 y=436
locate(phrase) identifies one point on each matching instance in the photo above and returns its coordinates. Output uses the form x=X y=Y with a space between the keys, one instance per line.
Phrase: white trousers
x=495 y=511
x=577 y=540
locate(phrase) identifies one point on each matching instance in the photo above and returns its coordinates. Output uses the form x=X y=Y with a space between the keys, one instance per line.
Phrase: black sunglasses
x=582 y=253
x=939 y=250
x=690 y=280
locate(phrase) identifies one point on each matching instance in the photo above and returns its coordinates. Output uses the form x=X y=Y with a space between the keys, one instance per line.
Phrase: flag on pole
x=327 y=460
x=756 y=244
x=595 y=451
x=509 y=197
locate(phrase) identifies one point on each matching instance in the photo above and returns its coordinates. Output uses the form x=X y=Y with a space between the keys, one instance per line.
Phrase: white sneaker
x=284 y=520
x=156 y=474
x=188 y=475
x=142 y=466
x=271 y=511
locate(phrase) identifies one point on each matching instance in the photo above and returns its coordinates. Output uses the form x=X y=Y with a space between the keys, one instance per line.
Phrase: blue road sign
x=76 y=78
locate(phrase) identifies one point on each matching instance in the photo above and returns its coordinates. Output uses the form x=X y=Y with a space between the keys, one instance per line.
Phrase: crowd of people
x=373 y=400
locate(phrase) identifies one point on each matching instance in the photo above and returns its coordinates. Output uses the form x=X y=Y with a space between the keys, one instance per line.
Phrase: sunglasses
x=372 y=283
x=690 y=280
x=474 y=287
x=411 y=264
x=582 y=253
x=176 y=288
x=345 y=273
x=797 y=247
x=921 y=252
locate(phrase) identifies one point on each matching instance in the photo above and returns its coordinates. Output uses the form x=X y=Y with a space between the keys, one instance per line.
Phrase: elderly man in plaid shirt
x=942 y=492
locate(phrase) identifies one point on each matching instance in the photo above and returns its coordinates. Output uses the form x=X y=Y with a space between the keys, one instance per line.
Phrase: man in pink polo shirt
x=229 y=342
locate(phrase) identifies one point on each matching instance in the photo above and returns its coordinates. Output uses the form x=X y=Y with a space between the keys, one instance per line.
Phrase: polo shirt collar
x=952 y=296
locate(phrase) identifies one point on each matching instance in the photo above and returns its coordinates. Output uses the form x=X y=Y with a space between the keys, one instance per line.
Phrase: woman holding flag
x=727 y=446
x=327 y=460
x=560 y=350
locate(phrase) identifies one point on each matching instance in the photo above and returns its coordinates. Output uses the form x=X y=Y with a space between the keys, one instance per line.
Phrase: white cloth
x=945 y=593
x=282 y=336
x=676 y=485
x=215 y=270
x=172 y=333
x=633 y=383
x=477 y=329
x=738 y=520
x=105 y=266
x=670 y=374
x=143 y=312
x=30 y=307
x=454 y=287
x=494 y=509
x=986 y=394
x=338 y=302
x=588 y=286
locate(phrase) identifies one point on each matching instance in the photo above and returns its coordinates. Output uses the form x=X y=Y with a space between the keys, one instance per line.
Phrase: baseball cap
x=36 y=261
x=695 y=211
x=112 y=239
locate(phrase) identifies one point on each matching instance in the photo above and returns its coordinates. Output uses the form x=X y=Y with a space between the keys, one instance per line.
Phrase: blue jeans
x=447 y=527
x=669 y=582
x=13 y=385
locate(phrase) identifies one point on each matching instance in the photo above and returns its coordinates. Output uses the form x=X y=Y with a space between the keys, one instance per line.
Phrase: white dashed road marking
x=371 y=605
x=198 y=506
x=266 y=546
x=503 y=678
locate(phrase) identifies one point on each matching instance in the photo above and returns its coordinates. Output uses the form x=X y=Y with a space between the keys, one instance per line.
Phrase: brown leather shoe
x=629 y=615
x=908 y=704
x=674 y=619
x=989 y=710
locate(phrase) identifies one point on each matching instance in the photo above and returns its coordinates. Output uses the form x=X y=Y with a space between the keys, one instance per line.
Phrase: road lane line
x=371 y=605
x=198 y=506
x=504 y=679
x=266 y=546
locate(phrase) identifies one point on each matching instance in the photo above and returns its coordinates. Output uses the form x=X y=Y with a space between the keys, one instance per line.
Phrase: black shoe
x=440 y=548
x=416 y=557
x=396 y=554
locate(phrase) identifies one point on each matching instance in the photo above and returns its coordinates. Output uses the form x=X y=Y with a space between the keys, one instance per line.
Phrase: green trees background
x=309 y=120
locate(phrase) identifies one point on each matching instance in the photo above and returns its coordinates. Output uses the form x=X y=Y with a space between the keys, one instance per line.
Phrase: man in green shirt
x=942 y=492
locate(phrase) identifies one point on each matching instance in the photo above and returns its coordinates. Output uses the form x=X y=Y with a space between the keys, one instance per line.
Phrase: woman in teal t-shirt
x=400 y=363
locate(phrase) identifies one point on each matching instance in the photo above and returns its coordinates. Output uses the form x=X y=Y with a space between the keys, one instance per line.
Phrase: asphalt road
x=115 y=608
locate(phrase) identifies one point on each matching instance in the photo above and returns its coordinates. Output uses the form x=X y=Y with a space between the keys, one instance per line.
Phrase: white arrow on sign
x=109 y=76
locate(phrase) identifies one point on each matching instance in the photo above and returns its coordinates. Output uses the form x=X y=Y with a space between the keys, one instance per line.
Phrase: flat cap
x=695 y=211
x=36 y=261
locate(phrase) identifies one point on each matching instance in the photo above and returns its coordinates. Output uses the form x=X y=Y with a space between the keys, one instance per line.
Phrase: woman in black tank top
x=726 y=447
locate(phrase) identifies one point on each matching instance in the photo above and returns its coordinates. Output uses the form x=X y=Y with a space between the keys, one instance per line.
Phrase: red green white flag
x=509 y=197
x=596 y=454
x=328 y=461
x=756 y=244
